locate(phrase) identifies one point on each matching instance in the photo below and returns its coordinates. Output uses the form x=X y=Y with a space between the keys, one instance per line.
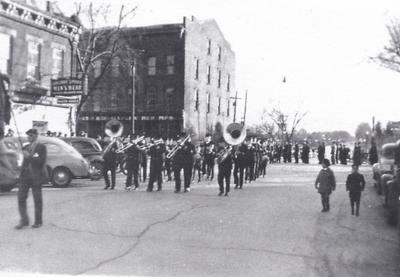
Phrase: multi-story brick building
x=36 y=46
x=184 y=78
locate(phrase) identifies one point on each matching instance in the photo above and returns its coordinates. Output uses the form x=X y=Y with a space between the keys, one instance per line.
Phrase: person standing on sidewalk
x=33 y=175
x=355 y=184
x=325 y=184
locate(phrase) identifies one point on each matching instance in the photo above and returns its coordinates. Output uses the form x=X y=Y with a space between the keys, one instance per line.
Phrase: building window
x=196 y=99
x=114 y=100
x=170 y=64
x=152 y=98
x=209 y=74
x=219 y=105
x=219 y=78
x=208 y=102
x=151 y=66
x=33 y=63
x=228 y=109
x=169 y=98
x=197 y=64
x=5 y=53
x=228 y=84
x=57 y=70
x=209 y=46
x=219 y=53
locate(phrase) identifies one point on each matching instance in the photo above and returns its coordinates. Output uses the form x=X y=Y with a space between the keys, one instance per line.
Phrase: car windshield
x=388 y=151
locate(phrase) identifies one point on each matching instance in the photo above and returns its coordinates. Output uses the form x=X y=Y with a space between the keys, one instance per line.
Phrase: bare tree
x=390 y=56
x=265 y=127
x=286 y=123
x=99 y=44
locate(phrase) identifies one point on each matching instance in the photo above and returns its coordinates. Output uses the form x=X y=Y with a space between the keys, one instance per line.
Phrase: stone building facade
x=184 y=77
x=36 y=46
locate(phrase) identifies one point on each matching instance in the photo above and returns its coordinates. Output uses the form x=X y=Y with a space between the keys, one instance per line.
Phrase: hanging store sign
x=66 y=87
x=69 y=100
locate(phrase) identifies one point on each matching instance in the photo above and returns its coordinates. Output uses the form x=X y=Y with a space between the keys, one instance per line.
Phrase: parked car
x=64 y=162
x=10 y=163
x=383 y=171
x=91 y=150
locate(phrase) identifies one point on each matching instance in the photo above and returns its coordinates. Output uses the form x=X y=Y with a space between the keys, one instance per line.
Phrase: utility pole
x=245 y=109
x=235 y=103
x=133 y=93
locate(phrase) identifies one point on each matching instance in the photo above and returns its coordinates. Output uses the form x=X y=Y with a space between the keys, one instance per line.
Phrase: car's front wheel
x=61 y=177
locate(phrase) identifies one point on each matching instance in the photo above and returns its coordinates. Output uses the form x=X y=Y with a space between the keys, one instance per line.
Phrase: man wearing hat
x=325 y=184
x=157 y=156
x=33 y=175
x=183 y=159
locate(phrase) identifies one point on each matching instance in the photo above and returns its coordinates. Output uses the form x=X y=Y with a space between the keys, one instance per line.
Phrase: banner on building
x=66 y=87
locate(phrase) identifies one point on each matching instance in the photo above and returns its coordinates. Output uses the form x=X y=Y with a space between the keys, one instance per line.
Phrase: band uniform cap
x=32 y=131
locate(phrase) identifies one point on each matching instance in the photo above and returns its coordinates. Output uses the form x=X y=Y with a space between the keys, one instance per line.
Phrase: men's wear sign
x=66 y=87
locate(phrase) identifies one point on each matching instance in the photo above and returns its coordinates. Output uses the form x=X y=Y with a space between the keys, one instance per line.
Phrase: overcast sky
x=322 y=47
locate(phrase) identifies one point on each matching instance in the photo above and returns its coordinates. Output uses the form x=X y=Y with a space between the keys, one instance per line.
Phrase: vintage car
x=64 y=162
x=91 y=150
x=10 y=163
x=383 y=171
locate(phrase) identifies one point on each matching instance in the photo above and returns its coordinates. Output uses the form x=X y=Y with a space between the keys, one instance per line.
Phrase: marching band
x=235 y=154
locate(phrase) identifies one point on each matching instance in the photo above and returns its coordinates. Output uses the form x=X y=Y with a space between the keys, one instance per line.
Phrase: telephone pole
x=245 y=109
x=235 y=103
x=133 y=94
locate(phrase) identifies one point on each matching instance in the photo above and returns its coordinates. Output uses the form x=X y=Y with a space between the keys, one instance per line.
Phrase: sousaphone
x=234 y=133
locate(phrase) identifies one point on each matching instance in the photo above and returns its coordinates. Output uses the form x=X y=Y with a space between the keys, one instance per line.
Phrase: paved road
x=273 y=227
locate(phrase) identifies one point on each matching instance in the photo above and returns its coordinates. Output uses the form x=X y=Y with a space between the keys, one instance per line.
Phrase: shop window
x=5 y=53
x=58 y=63
x=33 y=62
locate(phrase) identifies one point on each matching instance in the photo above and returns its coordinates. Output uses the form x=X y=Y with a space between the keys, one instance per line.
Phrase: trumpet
x=173 y=151
x=128 y=145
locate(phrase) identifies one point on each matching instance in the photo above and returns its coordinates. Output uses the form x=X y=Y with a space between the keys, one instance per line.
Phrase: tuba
x=234 y=134
x=113 y=129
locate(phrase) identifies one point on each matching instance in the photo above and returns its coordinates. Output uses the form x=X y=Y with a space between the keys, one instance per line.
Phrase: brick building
x=36 y=45
x=184 y=78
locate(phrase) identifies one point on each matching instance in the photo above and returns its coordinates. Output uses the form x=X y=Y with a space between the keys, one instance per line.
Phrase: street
x=273 y=227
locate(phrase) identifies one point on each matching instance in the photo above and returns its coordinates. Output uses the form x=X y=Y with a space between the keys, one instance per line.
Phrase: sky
x=322 y=48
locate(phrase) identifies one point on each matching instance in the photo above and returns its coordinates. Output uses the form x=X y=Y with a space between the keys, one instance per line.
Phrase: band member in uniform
x=132 y=164
x=240 y=165
x=110 y=164
x=224 y=160
x=33 y=175
x=209 y=158
x=143 y=163
x=157 y=155
x=321 y=152
x=197 y=164
x=183 y=159
x=168 y=161
x=250 y=153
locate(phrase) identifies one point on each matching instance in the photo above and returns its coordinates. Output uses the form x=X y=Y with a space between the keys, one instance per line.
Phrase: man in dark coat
x=325 y=184
x=296 y=152
x=357 y=154
x=240 y=165
x=306 y=153
x=110 y=164
x=373 y=154
x=183 y=159
x=333 y=152
x=157 y=155
x=224 y=168
x=355 y=184
x=132 y=166
x=33 y=175
x=321 y=152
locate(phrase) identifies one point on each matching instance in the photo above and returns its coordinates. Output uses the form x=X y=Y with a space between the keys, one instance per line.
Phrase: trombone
x=173 y=151
x=128 y=145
